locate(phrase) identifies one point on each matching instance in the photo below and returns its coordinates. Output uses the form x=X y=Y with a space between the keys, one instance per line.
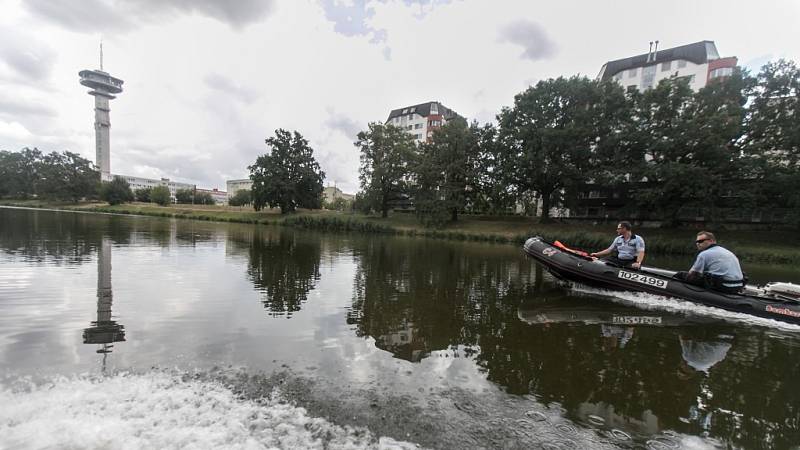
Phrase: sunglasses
x=700 y=241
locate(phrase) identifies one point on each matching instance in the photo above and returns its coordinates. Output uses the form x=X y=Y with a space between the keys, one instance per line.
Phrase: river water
x=135 y=332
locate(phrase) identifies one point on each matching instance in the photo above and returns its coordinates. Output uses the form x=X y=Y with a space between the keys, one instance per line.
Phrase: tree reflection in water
x=285 y=268
x=414 y=298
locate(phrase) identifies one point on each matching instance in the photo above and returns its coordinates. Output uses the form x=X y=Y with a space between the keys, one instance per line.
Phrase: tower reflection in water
x=104 y=331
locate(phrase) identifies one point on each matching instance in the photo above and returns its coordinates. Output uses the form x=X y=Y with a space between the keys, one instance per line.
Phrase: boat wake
x=162 y=410
x=643 y=300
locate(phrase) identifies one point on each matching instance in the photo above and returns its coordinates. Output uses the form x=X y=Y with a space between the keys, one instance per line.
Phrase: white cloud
x=14 y=131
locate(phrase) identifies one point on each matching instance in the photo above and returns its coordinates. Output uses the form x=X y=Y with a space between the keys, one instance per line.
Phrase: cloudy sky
x=206 y=81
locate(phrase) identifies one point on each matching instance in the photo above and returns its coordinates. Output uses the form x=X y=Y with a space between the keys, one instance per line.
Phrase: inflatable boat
x=779 y=301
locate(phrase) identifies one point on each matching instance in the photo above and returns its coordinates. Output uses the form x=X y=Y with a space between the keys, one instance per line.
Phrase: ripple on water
x=564 y=428
x=620 y=435
x=663 y=443
x=596 y=420
x=536 y=416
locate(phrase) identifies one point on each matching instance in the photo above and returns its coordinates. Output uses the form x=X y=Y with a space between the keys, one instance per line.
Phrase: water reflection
x=104 y=331
x=284 y=267
x=413 y=301
x=619 y=369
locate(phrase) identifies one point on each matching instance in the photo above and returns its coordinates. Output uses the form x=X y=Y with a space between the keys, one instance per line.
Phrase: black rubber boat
x=779 y=301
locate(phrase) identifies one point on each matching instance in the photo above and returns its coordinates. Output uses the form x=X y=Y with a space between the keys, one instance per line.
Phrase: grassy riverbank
x=776 y=247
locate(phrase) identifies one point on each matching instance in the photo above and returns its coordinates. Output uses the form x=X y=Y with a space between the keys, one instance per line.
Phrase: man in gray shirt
x=715 y=267
x=627 y=249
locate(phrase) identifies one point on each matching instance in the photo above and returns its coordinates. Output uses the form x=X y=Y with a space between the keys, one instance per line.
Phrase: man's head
x=705 y=239
x=624 y=227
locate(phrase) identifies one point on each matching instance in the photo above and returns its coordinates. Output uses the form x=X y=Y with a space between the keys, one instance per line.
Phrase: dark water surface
x=155 y=325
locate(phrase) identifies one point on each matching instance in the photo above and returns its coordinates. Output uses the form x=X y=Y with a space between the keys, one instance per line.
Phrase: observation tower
x=103 y=87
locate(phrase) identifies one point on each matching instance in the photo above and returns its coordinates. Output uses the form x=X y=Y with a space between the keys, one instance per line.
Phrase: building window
x=721 y=72
x=417 y=126
x=666 y=66
x=681 y=63
x=632 y=73
x=405 y=110
x=434 y=108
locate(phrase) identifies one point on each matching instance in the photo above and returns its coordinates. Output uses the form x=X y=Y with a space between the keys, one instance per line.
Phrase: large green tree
x=387 y=154
x=548 y=136
x=19 y=172
x=66 y=176
x=682 y=145
x=772 y=136
x=288 y=177
x=446 y=171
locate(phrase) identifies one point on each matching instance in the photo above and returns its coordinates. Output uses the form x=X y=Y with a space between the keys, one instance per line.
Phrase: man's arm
x=639 y=254
x=604 y=252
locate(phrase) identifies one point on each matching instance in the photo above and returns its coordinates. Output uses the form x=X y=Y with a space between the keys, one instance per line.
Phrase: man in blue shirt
x=715 y=267
x=628 y=248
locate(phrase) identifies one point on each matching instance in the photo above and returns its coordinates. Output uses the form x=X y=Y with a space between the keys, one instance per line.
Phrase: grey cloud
x=82 y=16
x=28 y=58
x=531 y=37
x=91 y=16
x=230 y=88
x=351 y=19
x=343 y=124
x=10 y=109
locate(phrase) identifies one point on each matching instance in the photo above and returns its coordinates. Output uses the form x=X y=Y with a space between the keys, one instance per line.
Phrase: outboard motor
x=787 y=291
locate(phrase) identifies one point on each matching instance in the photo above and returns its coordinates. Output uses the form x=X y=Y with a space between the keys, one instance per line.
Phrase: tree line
x=69 y=177
x=669 y=147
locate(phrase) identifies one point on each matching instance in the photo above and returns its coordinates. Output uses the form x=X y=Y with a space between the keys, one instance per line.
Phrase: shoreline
x=514 y=230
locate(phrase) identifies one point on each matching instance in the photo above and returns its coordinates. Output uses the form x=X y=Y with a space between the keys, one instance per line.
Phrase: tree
x=548 y=136
x=446 y=171
x=490 y=192
x=240 y=198
x=184 y=196
x=387 y=153
x=116 y=191
x=143 y=194
x=203 y=198
x=772 y=135
x=161 y=195
x=288 y=177
x=682 y=145
x=19 y=172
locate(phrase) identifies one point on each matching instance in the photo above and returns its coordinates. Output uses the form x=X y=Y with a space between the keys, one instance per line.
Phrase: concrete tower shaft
x=103 y=86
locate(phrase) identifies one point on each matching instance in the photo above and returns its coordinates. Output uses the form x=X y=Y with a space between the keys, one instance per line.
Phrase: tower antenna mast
x=101 y=54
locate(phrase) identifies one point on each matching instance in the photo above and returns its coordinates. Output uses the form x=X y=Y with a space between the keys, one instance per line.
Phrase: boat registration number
x=644 y=279
x=636 y=320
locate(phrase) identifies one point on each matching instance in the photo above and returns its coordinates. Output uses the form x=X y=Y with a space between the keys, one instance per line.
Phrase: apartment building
x=699 y=63
x=421 y=120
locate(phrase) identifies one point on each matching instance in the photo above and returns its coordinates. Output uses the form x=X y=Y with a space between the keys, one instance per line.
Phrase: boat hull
x=593 y=272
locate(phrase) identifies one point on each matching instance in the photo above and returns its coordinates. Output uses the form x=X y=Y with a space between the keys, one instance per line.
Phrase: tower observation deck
x=103 y=87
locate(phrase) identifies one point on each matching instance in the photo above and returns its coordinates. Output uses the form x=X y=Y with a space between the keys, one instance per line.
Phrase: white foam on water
x=644 y=300
x=161 y=410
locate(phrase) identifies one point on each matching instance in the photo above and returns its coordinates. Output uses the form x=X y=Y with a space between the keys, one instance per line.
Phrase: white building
x=331 y=193
x=234 y=186
x=220 y=197
x=141 y=183
x=698 y=62
x=421 y=120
